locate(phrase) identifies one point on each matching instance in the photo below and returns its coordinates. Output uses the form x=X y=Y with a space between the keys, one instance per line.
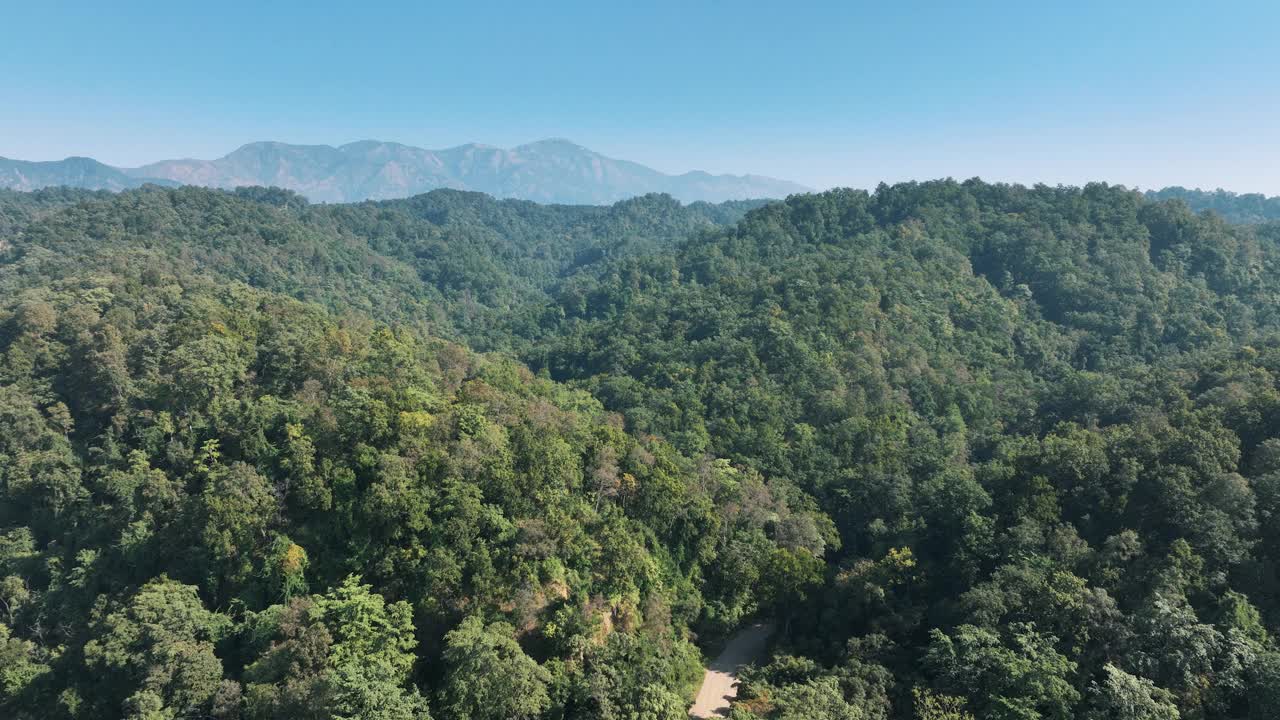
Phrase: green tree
x=159 y=646
x=488 y=676
x=1121 y=696
x=345 y=655
x=1023 y=678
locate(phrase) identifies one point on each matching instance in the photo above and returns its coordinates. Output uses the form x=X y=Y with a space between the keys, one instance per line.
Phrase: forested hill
x=17 y=209
x=449 y=260
x=980 y=451
x=1236 y=208
x=218 y=501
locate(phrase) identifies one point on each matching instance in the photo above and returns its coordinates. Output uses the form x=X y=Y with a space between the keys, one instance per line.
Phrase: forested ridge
x=1235 y=207
x=979 y=451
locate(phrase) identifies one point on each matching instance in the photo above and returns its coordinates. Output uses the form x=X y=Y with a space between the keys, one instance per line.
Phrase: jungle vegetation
x=979 y=451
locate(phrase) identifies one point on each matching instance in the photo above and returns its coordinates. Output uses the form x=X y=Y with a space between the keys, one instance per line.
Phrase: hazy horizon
x=825 y=95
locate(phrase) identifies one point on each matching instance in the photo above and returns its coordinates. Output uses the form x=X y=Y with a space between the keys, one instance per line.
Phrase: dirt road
x=720 y=683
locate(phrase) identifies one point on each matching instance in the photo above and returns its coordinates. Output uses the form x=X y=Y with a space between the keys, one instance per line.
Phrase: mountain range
x=77 y=172
x=547 y=171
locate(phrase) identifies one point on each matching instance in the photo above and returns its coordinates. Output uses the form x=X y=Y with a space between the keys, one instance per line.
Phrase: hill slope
x=979 y=451
x=437 y=508
x=456 y=262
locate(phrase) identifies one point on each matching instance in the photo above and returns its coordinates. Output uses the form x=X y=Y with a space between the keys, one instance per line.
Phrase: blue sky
x=824 y=93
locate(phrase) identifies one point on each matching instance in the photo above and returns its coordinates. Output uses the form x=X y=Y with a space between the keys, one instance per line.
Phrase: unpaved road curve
x=720 y=683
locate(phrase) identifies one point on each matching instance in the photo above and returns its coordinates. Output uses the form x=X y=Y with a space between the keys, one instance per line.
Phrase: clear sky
x=825 y=93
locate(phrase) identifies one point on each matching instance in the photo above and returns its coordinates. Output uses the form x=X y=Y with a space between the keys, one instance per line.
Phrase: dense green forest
x=979 y=451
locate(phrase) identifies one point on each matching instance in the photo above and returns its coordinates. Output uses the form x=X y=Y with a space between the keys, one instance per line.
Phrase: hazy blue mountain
x=548 y=171
x=77 y=172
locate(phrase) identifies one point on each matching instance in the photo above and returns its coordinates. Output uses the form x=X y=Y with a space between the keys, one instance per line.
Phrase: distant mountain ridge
x=547 y=171
x=78 y=172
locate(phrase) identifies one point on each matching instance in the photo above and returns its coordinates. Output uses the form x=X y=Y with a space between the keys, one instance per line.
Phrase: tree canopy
x=978 y=450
